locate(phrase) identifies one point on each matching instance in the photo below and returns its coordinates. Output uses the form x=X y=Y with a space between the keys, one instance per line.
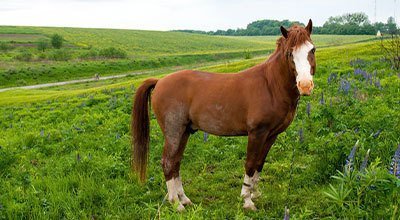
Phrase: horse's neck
x=280 y=79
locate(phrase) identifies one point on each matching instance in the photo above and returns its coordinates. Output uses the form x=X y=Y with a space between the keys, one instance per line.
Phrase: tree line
x=346 y=24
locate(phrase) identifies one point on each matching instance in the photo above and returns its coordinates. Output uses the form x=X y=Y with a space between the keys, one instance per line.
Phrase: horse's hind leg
x=178 y=181
x=176 y=136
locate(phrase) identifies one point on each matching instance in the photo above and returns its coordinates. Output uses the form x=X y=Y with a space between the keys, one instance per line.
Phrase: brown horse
x=259 y=102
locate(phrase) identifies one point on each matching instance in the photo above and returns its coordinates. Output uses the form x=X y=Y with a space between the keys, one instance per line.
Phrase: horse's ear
x=284 y=32
x=309 y=26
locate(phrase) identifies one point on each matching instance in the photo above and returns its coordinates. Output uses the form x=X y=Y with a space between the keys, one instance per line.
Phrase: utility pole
x=375 y=12
x=394 y=8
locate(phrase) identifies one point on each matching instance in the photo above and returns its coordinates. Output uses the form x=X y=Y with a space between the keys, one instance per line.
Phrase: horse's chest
x=277 y=121
x=285 y=121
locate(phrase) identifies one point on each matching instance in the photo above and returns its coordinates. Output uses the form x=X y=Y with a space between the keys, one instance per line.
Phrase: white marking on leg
x=247 y=188
x=181 y=193
x=173 y=194
x=300 y=58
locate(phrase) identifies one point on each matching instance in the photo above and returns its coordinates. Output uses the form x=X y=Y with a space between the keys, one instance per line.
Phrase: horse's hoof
x=186 y=201
x=180 y=208
x=248 y=206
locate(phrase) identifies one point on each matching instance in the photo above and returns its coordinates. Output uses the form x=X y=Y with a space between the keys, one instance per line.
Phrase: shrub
x=247 y=55
x=24 y=55
x=112 y=52
x=57 y=41
x=5 y=46
x=42 y=56
x=42 y=45
x=90 y=54
x=362 y=194
x=60 y=55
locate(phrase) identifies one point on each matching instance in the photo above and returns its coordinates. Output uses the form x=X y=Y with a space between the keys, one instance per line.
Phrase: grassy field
x=65 y=151
x=85 y=51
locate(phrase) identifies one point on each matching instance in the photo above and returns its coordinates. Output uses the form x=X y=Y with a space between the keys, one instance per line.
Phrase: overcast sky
x=183 y=14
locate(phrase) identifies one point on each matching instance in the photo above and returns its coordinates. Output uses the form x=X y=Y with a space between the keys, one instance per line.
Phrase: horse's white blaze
x=300 y=58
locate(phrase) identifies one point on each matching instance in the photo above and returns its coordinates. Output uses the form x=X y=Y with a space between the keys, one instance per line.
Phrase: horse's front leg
x=260 y=164
x=255 y=146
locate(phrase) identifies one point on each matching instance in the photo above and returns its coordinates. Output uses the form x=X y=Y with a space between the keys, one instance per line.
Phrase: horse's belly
x=218 y=122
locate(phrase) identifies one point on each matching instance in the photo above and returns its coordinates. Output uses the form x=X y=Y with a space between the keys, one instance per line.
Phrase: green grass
x=65 y=152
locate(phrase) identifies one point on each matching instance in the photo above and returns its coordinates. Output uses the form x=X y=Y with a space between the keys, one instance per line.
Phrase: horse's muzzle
x=305 y=87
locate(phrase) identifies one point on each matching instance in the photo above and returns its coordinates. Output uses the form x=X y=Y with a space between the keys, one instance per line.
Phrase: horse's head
x=300 y=52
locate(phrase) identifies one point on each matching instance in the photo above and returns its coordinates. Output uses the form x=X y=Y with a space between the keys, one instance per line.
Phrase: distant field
x=140 y=43
x=319 y=40
x=21 y=63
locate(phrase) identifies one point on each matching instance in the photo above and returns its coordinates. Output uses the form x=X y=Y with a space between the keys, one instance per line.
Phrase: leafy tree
x=391 y=26
x=57 y=41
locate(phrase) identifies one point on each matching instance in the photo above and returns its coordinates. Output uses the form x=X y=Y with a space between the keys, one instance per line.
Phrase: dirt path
x=67 y=82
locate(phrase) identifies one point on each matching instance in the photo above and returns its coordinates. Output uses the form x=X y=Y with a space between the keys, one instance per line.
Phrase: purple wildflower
x=360 y=72
x=301 y=135
x=395 y=165
x=322 y=100
x=344 y=86
x=377 y=133
x=332 y=77
x=350 y=158
x=340 y=133
x=308 y=109
x=365 y=161
x=378 y=84
x=287 y=216
x=205 y=136
x=77 y=128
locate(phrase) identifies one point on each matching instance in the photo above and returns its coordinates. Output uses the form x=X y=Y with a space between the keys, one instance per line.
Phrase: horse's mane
x=297 y=36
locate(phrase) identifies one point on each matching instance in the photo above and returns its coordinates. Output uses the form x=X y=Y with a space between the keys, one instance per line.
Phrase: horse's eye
x=313 y=50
